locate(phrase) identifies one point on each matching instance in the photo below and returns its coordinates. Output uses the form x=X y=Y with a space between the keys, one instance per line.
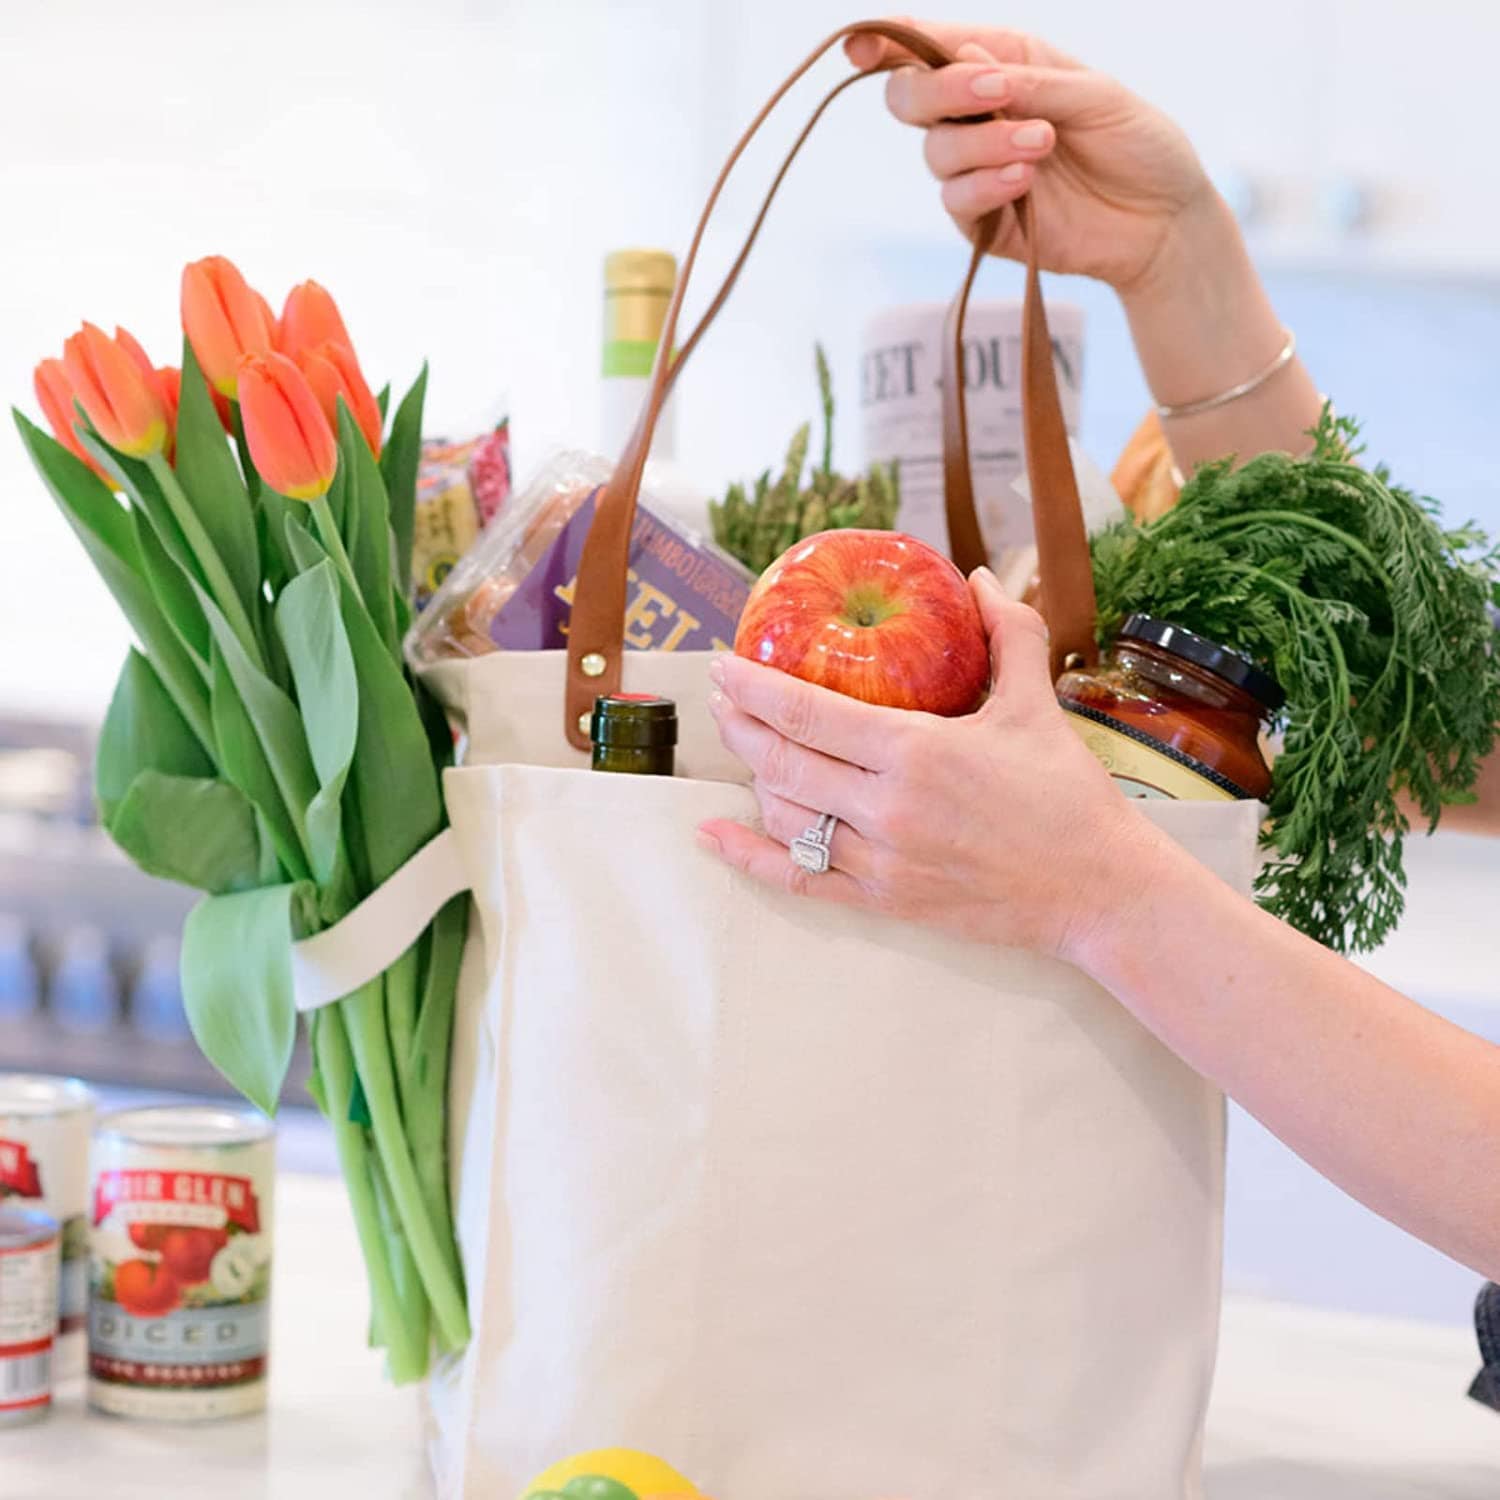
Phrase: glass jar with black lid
x=1171 y=714
x=634 y=732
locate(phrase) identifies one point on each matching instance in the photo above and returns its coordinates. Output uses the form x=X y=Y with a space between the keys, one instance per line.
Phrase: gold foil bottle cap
x=640 y=271
x=638 y=286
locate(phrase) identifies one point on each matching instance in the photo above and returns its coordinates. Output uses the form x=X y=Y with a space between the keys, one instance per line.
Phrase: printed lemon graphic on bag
x=610 y=1474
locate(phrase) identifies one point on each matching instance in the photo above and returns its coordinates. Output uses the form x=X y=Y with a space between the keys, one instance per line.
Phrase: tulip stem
x=333 y=543
x=407 y=1355
x=220 y=585
x=437 y=1260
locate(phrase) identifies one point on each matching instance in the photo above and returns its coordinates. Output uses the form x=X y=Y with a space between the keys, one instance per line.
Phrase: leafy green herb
x=757 y=528
x=1374 y=619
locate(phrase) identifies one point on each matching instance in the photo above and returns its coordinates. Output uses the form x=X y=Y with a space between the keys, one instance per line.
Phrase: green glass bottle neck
x=639 y=760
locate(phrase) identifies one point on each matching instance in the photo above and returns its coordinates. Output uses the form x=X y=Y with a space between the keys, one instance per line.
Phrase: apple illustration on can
x=876 y=615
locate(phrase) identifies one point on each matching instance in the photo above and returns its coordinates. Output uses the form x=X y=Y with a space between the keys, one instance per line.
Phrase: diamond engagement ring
x=810 y=849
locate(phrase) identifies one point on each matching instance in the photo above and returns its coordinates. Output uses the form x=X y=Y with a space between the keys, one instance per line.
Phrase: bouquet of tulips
x=252 y=515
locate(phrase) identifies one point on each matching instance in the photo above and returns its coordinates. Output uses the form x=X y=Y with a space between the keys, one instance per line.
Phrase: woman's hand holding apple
x=1000 y=826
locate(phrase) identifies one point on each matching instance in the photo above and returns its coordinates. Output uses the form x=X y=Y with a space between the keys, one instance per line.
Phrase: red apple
x=877 y=615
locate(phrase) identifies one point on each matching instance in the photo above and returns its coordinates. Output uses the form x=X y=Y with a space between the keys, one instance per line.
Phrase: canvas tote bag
x=814 y=1204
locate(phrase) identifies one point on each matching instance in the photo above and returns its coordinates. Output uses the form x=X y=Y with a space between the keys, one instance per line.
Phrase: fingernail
x=991 y=86
x=717 y=703
x=716 y=670
x=705 y=840
x=1030 y=137
x=988 y=579
x=1014 y=172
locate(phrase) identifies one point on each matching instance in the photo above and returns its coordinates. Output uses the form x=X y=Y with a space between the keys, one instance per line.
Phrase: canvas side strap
x=337 y=961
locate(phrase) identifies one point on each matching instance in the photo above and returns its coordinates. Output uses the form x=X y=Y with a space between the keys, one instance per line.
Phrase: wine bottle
x=638 y=287
x=634 y=732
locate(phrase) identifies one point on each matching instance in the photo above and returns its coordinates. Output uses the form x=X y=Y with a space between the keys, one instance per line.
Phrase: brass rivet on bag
x=593 y=664
x=1072 y=661
x=583 y=722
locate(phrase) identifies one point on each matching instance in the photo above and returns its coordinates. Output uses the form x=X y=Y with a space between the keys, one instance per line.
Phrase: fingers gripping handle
x=597 y=627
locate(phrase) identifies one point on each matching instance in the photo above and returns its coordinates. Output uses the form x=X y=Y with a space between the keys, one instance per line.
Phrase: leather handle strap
x=597 y=628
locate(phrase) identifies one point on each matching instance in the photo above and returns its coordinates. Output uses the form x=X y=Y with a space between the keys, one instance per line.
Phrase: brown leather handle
x=597 y=628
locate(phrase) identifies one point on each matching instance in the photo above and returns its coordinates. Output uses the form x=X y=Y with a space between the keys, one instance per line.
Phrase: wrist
x=1201 y=318
x=1112 y=923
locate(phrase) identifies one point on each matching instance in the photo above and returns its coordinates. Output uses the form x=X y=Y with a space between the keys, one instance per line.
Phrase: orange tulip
x=332 y=371
x=309 y=319
x=54 y=394
x=130 y=345
x=290 y=440
x=122 y=400
x=224 y=318
x=169 y=382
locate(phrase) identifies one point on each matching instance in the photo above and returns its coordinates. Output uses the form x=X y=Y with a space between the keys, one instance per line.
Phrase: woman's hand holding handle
x=1121 y=197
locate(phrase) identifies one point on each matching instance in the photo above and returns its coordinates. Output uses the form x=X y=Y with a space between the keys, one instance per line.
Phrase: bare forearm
x=1202 y=323
x=1393 y=1103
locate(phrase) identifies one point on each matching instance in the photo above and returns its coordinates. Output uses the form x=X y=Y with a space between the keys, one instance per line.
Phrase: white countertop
x=1308 y=1405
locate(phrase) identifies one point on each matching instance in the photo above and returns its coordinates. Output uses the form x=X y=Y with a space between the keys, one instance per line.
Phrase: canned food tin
x=180 y=1274
x=44 y=1163
x=28 y=1312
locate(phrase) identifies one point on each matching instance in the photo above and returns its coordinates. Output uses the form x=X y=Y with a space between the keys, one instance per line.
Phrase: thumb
x=1020 y=662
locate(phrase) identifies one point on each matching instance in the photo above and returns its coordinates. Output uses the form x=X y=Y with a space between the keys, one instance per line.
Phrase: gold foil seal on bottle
x=638 y=285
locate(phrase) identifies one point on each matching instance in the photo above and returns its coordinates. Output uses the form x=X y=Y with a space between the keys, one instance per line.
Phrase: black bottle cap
x=1229 y=666
x=637 y=721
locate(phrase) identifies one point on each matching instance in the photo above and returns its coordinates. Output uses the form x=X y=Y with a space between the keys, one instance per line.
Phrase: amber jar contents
x=1174 y=715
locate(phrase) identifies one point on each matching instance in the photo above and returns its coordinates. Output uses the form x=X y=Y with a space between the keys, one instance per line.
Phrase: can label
x=179 y=1311
x=28 y=1319
x=44 y=1163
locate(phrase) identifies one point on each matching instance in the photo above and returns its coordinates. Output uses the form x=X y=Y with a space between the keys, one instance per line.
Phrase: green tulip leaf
x=366 y=526
x=304 y=549
x=237 y=985
x=275 y=718
x=243 y=762
x=322 y=666
x=195 y=831
x=393 y=774
x=108 y=535
x=137 y=480
x=143 y=731
x=398 y=463
x=209 y=474
x=383 y=399
x=174 y=593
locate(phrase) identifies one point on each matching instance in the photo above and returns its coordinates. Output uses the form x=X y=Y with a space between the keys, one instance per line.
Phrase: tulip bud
x=224 y=319
x=290 y=440
x=54 y=394
x=169 y=383
x=122 y=399
x=310 y=318
x=167 y=379
x=332 y=371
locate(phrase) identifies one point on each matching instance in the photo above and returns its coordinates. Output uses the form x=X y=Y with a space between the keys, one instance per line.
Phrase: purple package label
x=680 y=597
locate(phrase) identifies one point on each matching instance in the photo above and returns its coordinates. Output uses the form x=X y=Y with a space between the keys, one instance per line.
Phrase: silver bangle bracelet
x=1213 y=403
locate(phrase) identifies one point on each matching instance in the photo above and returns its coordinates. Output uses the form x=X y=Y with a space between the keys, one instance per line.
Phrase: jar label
x=1141 y=770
